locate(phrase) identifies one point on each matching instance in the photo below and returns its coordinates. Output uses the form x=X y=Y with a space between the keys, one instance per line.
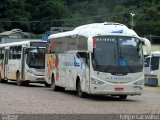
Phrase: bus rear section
x=23 y=62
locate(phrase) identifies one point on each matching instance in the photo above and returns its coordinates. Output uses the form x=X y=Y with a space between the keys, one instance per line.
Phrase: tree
x=14 y=10
x=48 y=13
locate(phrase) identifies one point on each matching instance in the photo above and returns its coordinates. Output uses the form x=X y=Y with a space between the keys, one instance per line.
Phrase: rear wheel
x=26 y=83
x=123 y=97
x=47 y=85
x=79 y=90
x=2 y=80
x=54 y=87
x=18 y=81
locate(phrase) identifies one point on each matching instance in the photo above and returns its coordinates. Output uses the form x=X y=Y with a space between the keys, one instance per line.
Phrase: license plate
x=119 y=89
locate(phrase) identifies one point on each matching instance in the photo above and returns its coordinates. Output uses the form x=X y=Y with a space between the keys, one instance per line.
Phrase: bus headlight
x=94 y=81
x=140 y=82
x=30 y=71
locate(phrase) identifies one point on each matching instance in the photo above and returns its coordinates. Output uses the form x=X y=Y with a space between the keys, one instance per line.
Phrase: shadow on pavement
x=97 y=97
x=29 y=85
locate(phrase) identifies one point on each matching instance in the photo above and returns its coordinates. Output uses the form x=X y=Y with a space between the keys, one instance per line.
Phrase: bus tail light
x=94 y=43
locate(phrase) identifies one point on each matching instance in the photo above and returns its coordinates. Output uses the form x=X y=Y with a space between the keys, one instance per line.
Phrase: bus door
x=147 y=64
x=87 y=76
x=23 y=63
x=84 y=68
x=6 y=67
x=154 y=67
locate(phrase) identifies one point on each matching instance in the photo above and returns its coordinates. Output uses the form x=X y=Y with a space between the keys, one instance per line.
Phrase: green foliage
x=47 y=13
x=37 y=16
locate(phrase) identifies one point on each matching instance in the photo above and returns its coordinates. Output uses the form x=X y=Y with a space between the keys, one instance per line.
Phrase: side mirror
x=26 y=51
x=90 y=44
x=146 y=46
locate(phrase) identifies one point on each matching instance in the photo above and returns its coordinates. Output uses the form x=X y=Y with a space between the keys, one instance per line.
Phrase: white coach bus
x=23 y=61
x=98 y=58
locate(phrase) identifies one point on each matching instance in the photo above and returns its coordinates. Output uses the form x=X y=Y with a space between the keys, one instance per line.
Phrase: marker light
x=94 y=43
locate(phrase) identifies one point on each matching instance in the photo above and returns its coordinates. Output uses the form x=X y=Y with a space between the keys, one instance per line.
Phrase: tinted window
x=147 y=62
x=1 y=53
x=36 y=58
x=15 y=52
x=38 y=44
x=155 y=63
x=117 y=54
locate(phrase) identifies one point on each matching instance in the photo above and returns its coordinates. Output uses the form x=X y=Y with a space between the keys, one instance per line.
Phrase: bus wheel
x=2 y=80
x=79 y=90
x=54 y=87
x=25 y=83
x=19 y=82
x=47 y=85
x=123 y=97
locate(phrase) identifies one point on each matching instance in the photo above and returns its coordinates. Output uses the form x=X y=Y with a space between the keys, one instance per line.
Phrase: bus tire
x=123 y=97
x=26 y=83
x=79 y=90
x=47 y=85
x=54 y=86
x=2 y=80
x=62 y=89
x=18 y=81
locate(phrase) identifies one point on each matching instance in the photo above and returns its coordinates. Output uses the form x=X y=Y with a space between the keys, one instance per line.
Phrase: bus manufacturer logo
x=118 y=78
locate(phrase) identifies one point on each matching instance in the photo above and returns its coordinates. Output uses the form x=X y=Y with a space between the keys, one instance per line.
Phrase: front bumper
x=35 y=78
x=116 y=89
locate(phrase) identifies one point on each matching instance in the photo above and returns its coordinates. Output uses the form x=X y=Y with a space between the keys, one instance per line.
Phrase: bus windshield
x=117 y=54
x=36 y=58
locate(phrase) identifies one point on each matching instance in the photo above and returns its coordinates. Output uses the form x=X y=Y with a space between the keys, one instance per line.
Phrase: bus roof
x=97 y=29
x=19 y=43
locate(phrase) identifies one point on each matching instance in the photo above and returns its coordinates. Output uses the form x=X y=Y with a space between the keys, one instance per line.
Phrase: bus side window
x=1 y=54
x=15 y=52
x=83 y=55
x=18 y=56
x=18 y=51
x=146 y=62
x=155 y=63
x=11 y=53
